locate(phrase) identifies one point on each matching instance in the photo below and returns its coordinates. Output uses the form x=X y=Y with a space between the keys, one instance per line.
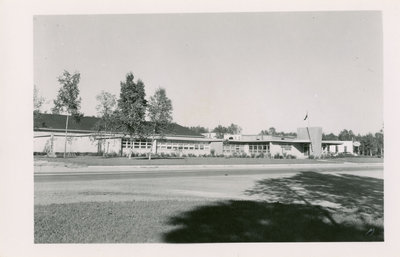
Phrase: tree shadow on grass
x=346 y=192
x=290 y=212
x=252 y=221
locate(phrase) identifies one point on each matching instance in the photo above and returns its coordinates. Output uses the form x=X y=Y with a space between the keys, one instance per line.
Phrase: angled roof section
x=56 y=122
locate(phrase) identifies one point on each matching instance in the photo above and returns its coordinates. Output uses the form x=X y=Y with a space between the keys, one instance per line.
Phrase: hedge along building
x=49 y=136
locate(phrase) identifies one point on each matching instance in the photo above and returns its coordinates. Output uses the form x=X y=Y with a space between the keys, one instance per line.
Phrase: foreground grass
x=307 y=207
x=106 y=222
x=227 y=221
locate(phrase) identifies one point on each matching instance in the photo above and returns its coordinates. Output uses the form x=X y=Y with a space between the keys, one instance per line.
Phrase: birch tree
x=160 y=115
x=68 y=101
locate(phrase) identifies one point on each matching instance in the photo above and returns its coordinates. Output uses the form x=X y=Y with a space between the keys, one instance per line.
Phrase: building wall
x=166 y=146
x=345 y=146
x=217 y=147
x=85 y=143
x=275 y=149
x=292 y=149
x=76 y=143
x=314 y=134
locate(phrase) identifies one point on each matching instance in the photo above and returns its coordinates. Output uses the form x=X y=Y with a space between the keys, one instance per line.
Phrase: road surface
x=166 y=184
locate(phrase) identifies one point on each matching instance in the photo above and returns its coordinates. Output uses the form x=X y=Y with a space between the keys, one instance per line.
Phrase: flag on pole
x=306 y=116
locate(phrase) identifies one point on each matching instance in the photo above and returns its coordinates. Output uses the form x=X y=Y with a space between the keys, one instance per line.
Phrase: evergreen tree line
x=370 y=144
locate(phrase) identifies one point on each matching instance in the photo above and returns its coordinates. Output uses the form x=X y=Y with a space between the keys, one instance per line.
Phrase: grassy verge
x=360 y=159
x=100 y=161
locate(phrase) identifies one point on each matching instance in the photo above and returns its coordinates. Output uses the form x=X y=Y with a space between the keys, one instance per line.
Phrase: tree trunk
x=153 y=140
x=66 y=132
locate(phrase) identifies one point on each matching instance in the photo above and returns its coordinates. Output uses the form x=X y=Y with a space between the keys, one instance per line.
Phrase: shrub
x=343 y=155
x=327 y=156
x=39 y=153
x=111 y=155
x=212 y=151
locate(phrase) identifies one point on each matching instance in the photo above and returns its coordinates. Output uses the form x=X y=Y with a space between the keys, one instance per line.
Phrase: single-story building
x=49 y=137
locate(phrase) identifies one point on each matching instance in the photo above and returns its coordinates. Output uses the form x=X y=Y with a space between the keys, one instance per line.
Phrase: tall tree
x=234 y=129
x=68 y=101
x=198 y=129
x=106 y=112
x=37 y=100
x=346 y=135
x=37 y=104
x=106 y=105
x=160 y=114
x=272 y=131
x=330 y=136
x=220 y=131
x=380 y=142
x=132 y=106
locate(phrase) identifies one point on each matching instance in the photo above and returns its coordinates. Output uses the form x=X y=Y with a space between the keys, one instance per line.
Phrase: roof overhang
x=332 y=142
x=271 y=140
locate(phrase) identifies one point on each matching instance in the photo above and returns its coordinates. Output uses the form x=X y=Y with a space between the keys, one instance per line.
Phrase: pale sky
x=256 y=70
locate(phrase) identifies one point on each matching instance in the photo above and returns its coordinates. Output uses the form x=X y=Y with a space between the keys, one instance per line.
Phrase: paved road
x=167 y=183
x=192 y=172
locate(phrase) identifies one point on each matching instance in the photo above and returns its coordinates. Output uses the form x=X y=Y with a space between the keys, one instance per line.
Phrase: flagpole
x=308 y=131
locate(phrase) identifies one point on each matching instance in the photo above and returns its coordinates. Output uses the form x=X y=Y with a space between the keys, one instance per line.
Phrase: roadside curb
x=150 y=168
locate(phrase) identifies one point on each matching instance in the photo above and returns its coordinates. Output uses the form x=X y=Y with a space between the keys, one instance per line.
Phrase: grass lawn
x=123 y=161
x=305 y=207
x=105 y=222
x=361 y=159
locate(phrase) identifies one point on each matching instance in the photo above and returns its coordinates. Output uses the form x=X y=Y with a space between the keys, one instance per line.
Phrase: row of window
x=336 y=149
x=239 y=148
x=173 y=145
x=184 y=146
x=228 y=148
x=143 y=144
x=259 y=148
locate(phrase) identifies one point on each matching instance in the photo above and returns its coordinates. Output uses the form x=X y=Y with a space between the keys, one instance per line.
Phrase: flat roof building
x=49 y=133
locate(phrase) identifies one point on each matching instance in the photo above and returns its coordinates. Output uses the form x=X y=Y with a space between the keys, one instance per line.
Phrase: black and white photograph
x=208 y=128
x=195 y=129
